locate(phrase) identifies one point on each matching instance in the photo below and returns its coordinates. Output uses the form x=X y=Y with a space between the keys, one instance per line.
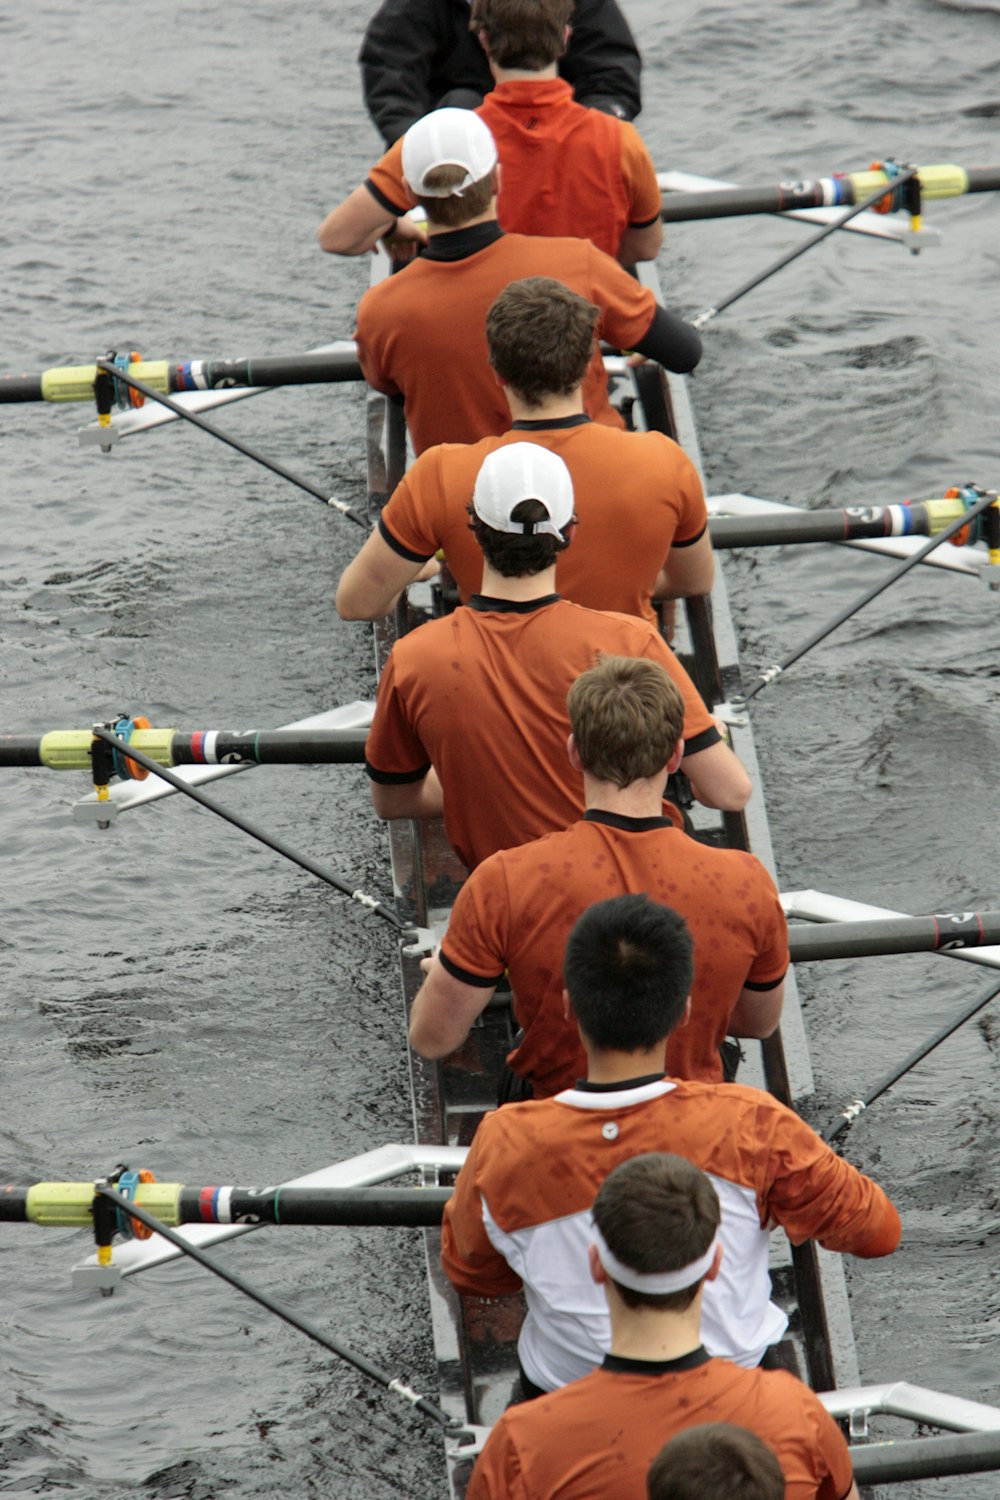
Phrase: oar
x=809 y=942
x=985 y=500
x=71 y=749
x=111 y=369
x=854 y=523
x=70 y=1205
x=708 y=313
x=390 y=1383
x=304 y=861
x=945 y=181
x=926 y=1458
x=171 y=377
x=850 y=1113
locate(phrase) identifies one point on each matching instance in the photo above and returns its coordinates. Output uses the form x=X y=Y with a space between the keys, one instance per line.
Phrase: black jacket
x=416 y=51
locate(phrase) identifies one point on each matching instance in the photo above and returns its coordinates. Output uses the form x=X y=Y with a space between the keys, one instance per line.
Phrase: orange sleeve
x=386 y=183
x=814 y=1194
x=476 y=943
x=470 y=1260
x=369 y=345
x=408 y=515
x=627 y=308
x=497 y=1474
x=693 y=516
x=772 y=957
x=393 y=752
x=697 y=719
x=834 y=1471
x=639 y=177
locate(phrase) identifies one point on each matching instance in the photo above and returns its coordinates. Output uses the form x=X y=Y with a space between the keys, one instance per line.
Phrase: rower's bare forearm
x=718 y=778
x=410 y=799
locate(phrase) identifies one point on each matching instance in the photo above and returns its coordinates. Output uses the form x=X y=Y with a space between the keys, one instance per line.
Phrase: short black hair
x=628 y=967
x=518 y=554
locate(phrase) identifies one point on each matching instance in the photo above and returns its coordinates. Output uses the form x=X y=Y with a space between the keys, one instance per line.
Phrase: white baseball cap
x=523 y=471
x=447 y=138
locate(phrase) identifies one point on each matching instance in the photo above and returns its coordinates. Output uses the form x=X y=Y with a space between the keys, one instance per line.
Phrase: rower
x=656 y=1255
x=567 y=170
x=422 y=333
x=645 y=526
x=520 y=1214
x=471 y=717
x=419 y=55
x=517 y=909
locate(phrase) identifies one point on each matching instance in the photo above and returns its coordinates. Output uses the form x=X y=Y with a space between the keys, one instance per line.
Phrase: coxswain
x=419 y=55
x=422 y=333
x=567 y=170
x=520 y=1214
x=471 y=720
x=657 y=1252
x=515 y=912
x=639 y=497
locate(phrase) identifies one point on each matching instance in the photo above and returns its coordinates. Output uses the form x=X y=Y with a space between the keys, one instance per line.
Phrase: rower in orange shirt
x=422 y=332
x=567 y=170
x=644 y=524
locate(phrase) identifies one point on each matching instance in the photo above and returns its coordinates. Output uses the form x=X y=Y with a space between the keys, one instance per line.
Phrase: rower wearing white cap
x=655 y=1253
x=520 y=1213
x=471 y=718
x=422 y=333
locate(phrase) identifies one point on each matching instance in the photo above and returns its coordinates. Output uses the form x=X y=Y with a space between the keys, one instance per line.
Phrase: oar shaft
x=945 y=181
x=304 y=861
x=926 y=1458
x=809 y=942
x=854 y=523
x=172 y=377
x=69 y=1205
x=69 y=749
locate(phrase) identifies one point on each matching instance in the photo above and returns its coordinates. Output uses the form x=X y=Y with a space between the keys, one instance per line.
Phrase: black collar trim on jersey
x=486 y=605
x=578 y=419
x=626 y=824
x=583 y=1087
x=619 y=1365
x=457 y=244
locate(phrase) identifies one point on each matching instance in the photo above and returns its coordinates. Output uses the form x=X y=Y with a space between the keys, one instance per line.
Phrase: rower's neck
x=518 y=590
x=520 y=75
x=551 y=408
x=484 y=218
x=640 y=799
x=648 y=1333
x=604 y=1065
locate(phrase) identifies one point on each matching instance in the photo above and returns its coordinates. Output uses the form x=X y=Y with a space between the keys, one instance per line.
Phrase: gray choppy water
x=177 y=996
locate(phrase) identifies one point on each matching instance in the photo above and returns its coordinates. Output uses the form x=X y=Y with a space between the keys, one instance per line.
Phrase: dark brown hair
x=515 y=554
x=627 y=716
x=702 y=1463
x=457 y=208
x=541 y=337
x=657 y=1213
x=528 y=34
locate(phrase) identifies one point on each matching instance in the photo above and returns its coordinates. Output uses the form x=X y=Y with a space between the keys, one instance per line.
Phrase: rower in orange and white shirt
x=515 y=912
x=567 y=170
x=470 y=719
x=656 y=1250
x=520 y=1215
x=422 y=333
x=644 y=524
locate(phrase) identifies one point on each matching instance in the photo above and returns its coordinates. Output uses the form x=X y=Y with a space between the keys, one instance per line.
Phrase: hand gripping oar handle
x=708 y=313
x=110 y=368
x=985 y=500
x=359 y=1361
x=304 y=861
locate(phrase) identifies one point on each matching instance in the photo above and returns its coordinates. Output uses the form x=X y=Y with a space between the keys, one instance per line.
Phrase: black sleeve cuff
x=703 y=741
x=481 y=981
x=674 y=344
x=396 y=778
x=643 y=223
x=770 y=984
x=387 y=203
x=400 y=550
x=689 y=541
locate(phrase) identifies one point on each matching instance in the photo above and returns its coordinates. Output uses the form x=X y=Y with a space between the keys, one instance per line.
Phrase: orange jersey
x=565 y=169
x=636 y=494
x=517 y=909
x=481 y=696
x=422 y=332
x=597 y=1437
x=520 y=1212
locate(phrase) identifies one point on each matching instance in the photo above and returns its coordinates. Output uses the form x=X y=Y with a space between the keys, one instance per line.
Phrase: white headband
x=654 y=1283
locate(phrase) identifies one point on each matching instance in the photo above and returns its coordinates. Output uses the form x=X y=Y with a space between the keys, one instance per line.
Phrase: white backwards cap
x=523 y=471
x=447 y=138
